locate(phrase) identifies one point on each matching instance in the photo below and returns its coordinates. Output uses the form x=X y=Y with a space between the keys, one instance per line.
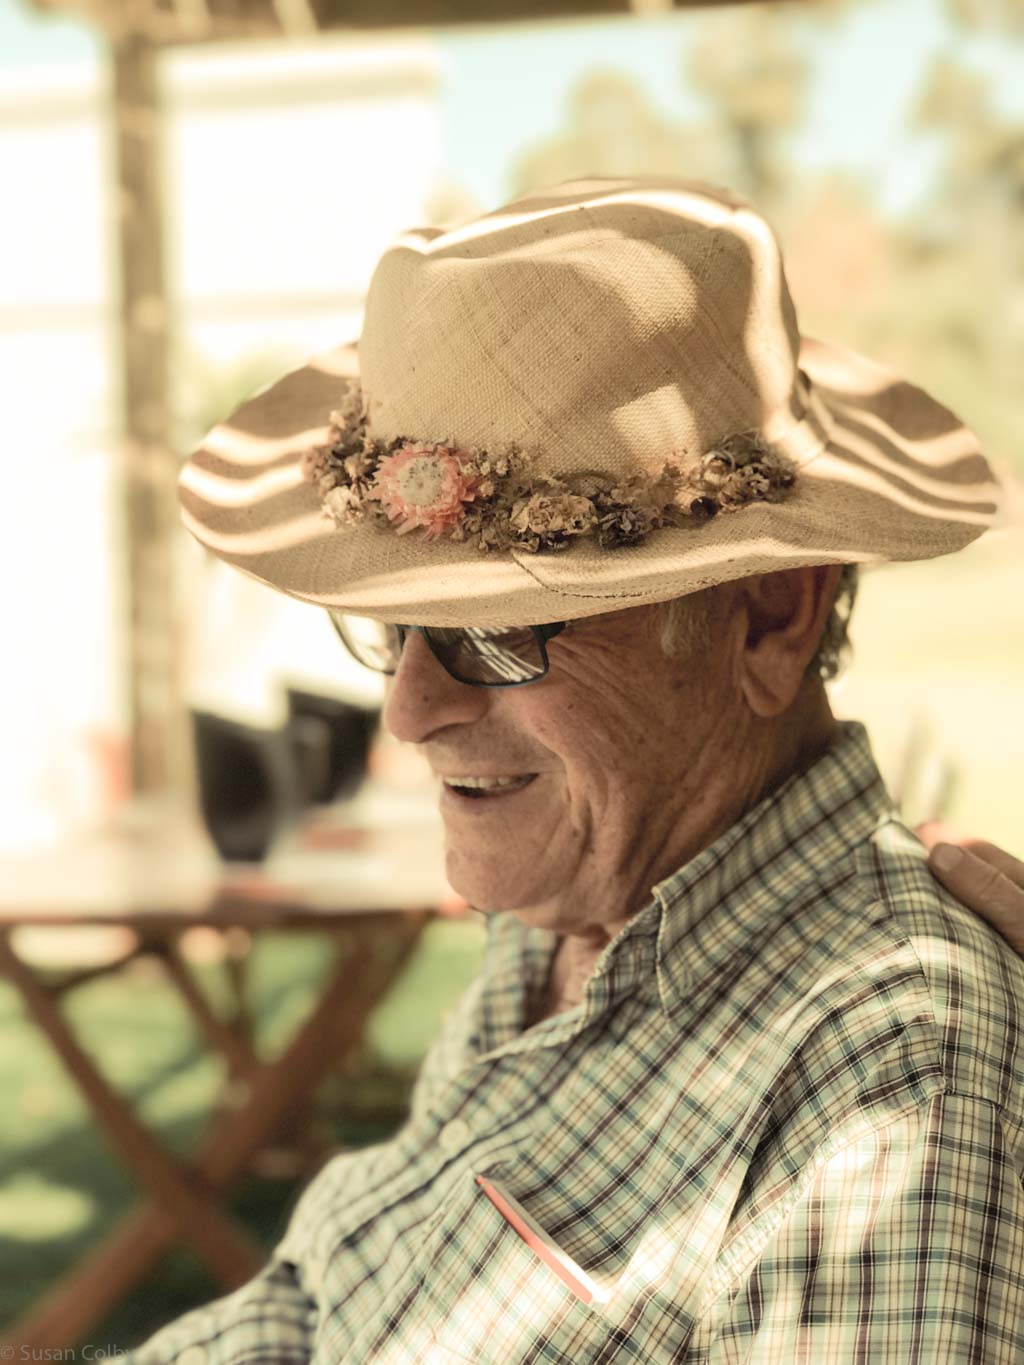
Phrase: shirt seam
x=724 y=1278
x=887 y=898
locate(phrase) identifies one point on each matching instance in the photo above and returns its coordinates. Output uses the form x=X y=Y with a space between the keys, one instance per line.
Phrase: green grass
x=61 y=1189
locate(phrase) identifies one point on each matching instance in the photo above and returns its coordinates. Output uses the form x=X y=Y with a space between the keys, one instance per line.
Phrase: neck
x=805 y=732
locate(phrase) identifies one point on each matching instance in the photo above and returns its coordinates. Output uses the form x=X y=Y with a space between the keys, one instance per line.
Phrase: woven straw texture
x=602 y=326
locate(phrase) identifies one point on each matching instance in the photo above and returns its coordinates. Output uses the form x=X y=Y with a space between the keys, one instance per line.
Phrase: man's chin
x=487 y=899
x=548 y=915
x=495 y=892
x=543 y=915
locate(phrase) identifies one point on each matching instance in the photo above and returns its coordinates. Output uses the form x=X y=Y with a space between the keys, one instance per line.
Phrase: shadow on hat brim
x=901 y=479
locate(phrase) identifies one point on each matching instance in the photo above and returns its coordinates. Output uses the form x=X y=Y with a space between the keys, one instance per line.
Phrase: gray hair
x=686 y=626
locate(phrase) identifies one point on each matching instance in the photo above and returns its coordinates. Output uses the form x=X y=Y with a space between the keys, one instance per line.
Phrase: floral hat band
x=501 y=500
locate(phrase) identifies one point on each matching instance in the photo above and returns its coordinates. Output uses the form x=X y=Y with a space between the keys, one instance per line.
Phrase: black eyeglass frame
x=542 y=634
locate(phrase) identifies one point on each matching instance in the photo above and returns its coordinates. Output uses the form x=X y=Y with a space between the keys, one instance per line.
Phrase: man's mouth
x=486 y=788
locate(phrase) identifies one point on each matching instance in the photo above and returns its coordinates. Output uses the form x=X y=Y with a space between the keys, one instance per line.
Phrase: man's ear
x=785 y=613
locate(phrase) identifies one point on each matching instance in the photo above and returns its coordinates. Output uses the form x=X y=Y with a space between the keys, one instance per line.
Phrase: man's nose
x=423 y=698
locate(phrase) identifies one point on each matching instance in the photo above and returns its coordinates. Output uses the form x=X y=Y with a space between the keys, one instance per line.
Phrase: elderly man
x=739 y=1081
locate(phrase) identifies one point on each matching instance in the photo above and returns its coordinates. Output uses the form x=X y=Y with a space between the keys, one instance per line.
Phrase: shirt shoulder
x=886 y=991
x=882 y=975
x=957 y=980
x=879 y=995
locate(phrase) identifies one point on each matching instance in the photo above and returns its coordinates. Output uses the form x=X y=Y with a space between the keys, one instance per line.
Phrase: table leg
x=86 y=1295
x=221 y=1036
x=232 y=1039
x=237 y=945
x=226 y=1248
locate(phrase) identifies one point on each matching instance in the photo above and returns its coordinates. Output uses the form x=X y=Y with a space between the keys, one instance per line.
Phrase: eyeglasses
x=479 y=656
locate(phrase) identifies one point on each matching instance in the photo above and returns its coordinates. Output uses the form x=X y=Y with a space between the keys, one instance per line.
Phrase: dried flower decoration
x=498 y=502
x=425 y=486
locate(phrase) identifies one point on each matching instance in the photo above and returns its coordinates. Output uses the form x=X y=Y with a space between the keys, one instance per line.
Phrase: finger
x=933 y=832
x=983 y=888
x=1003 y=862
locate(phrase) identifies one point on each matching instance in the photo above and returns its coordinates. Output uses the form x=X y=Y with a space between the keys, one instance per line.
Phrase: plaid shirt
x=784 y=1125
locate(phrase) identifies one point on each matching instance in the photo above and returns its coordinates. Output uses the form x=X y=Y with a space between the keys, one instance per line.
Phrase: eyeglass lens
x=478 y=655
x=471 y=654
x=372 y=643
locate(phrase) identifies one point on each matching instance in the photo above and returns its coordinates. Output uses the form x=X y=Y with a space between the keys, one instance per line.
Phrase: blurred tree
x=984 y=169
x=1005 y=14
x=966 y=250
x=952 y=93
x=746 y=62
x=838 y=252
x=612 y=128
x=940 y=295
x=160 y=754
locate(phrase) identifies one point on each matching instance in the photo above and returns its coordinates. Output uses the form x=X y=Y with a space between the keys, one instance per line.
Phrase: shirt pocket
x=488 y=1295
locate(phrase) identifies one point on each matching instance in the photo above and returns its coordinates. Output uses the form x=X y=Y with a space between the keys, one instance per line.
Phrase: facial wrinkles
x=590 y=719
x=568 y=715
x=632 y=748
x=492 y=745
x=615 y=789
x=673 y=786
x=640 y=821
x=477 y=748
x=594 y=675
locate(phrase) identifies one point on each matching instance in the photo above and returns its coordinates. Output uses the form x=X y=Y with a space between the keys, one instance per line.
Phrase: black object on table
x=253 y=780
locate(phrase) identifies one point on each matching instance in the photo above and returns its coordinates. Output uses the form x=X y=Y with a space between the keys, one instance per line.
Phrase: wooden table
x=370 y=887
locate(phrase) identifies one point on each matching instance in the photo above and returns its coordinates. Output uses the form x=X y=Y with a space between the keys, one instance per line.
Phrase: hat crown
x=604 y=325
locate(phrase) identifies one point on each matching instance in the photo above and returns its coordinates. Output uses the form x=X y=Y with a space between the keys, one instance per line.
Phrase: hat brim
x=900 y=479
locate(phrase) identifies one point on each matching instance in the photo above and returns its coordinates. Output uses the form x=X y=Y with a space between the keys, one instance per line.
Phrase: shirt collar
x=800 y=835
x=515 y=969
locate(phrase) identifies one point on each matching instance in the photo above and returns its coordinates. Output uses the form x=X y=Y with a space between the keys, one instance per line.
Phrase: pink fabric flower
x=424 y=486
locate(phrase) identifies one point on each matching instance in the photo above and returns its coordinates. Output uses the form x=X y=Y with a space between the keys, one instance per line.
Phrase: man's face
x=626 y=760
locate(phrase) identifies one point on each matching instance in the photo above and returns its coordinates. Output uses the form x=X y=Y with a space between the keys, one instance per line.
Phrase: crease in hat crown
x=604 y=368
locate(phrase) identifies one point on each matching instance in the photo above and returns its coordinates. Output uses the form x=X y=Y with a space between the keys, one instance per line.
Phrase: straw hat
x=594 y=397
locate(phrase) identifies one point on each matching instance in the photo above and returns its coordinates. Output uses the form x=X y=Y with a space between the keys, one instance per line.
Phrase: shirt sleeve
x=274 y=1315
x=905 y=1246
x=270 y=1317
